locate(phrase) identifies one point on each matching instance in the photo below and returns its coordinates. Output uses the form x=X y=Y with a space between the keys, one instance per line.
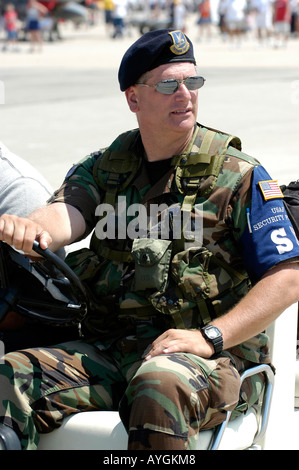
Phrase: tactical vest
x=189 y=287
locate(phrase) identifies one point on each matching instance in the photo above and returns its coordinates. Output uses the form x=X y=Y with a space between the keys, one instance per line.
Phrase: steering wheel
x=46 y=291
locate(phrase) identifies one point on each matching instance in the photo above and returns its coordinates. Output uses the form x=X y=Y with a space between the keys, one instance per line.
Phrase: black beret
x=154 y=48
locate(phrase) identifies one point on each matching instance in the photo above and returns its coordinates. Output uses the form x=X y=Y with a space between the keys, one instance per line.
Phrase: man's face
x=158 y=113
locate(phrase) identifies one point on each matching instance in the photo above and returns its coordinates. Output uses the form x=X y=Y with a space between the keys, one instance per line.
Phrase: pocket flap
x=148 y=251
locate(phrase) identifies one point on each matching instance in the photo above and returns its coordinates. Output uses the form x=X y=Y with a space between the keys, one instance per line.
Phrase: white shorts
x=263 y=20
x=282 y=27
x=236 y=25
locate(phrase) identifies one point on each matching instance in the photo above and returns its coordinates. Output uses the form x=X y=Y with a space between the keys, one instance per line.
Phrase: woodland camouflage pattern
x=223 y=200
x=190 y=289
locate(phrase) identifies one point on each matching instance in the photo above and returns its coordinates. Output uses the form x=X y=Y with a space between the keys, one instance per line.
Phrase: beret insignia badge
x=180 y=44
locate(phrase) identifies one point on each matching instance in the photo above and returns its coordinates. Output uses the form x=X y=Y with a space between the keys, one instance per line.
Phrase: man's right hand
x=21 y=233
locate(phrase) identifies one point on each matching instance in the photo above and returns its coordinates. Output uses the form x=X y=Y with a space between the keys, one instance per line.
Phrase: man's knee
x=165 y=394
x=169 y=377
x=182 y=387
x=171 y=398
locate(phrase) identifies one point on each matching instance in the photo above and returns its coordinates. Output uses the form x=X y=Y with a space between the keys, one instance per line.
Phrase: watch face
x=213 y=332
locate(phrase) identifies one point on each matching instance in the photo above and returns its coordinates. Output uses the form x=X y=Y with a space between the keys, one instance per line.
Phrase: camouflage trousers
x=163 y=402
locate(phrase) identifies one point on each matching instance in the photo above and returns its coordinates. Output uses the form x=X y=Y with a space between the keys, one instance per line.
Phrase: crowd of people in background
x=271 y=21
x=267 y=18
x=276 y=19
x=12 y=24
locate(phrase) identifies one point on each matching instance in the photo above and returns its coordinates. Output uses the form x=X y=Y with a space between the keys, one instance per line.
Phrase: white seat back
x=282 y=433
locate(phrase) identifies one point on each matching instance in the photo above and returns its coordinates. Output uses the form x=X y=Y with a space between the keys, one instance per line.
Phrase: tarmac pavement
x=64 y=102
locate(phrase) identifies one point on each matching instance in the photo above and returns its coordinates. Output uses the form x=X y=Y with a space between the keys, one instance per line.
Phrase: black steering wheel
x=46 y=291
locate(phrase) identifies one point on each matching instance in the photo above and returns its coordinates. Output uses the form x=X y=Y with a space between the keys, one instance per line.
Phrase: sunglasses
x=168 y=87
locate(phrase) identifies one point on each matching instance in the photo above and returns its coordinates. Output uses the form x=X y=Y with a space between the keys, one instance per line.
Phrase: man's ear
x=132 y=99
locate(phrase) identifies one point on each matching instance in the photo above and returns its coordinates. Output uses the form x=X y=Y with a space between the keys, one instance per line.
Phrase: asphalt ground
x=63 y=103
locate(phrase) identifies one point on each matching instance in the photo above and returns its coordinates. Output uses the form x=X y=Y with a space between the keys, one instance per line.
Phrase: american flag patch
x=270 y=189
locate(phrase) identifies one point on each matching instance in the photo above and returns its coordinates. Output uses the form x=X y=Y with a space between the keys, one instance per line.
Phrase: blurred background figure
x=221 y=18
x=281 y=22
x=119 y=14
x=263 y=10
x=34 y=12
x=10 y=19
x=108 y=11
x=235 y=19
x=205 y=19
x=295 y=18
x=179 y=15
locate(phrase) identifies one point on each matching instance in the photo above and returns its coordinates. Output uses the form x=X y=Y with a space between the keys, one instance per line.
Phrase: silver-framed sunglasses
x=170 y=86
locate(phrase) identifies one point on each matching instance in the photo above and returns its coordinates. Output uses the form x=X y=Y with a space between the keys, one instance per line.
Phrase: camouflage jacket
x=133 y=270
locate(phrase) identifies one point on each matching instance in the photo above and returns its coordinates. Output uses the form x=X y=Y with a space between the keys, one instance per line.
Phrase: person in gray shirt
x=22 y=190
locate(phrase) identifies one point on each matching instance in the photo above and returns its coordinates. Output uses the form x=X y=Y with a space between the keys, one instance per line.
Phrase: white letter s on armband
x=283 y=244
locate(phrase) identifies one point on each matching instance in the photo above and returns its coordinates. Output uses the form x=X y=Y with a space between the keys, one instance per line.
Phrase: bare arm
x=277 y=290
x=52 y=226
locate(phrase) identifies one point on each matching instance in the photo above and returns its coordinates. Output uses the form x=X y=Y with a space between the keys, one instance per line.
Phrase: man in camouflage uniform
x=173 y=319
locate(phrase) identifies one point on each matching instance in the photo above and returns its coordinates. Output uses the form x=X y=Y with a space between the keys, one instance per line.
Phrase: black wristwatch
x=213 y=335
